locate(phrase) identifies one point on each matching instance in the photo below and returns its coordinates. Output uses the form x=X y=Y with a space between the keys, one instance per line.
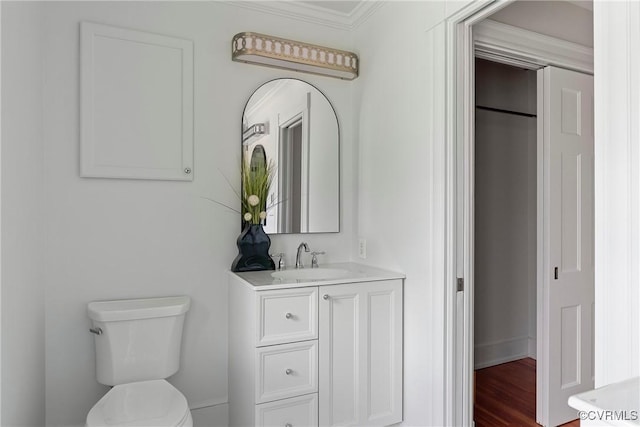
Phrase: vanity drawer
x=294 y=412
x=286 y=370
x=287 y=315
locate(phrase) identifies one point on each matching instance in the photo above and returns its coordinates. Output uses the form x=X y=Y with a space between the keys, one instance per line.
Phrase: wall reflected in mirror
x=293 y=124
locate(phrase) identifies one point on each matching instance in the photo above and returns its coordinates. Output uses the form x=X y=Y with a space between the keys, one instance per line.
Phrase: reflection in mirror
x=258 y=160
x=292 y=123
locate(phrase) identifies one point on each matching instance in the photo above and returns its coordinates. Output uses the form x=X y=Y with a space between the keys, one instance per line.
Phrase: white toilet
x=137 y=347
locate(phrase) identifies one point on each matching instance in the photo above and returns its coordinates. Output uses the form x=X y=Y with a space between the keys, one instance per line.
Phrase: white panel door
x=566 y=366
x=360 y=362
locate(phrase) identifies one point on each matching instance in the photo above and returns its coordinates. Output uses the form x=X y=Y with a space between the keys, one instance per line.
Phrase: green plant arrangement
x=253 y=243
x=256 y=183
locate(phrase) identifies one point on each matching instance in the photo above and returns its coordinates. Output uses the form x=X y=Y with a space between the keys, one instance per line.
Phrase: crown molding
x=266 y=98
x=494 y=40
x=585 y=4
x=312 y=13
x=363 y=11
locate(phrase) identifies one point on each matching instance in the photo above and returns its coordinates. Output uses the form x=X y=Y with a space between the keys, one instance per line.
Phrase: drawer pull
x=325 y=296
x=288 y=315
x=288 y=371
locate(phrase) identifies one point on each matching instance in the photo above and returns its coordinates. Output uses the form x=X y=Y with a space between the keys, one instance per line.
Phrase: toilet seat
x=154 y=403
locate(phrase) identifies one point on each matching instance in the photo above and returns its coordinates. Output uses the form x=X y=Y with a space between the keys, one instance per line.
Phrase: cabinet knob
x=325 y=296
x=288 y=315
x=288 y=371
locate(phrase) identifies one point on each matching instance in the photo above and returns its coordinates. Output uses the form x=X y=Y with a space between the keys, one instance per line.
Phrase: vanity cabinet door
x=360 y=355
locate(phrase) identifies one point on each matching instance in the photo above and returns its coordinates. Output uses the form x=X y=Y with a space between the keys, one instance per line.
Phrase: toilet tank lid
x=144 y=308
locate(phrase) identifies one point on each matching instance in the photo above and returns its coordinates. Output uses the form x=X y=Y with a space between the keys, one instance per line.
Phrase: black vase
x=253 y=250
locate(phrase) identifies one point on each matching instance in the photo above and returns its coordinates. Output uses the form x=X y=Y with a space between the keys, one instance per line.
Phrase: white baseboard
x=211 y=416
x=497 y=352
x=533 y=351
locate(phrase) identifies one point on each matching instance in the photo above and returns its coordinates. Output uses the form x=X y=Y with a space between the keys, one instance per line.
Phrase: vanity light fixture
x=256 y=130
x=270 y=51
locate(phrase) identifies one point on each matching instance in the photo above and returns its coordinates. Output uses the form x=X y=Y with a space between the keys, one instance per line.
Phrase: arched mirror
x=292 y=124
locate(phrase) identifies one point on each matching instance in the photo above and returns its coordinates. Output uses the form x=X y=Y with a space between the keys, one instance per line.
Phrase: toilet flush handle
x=97 y=331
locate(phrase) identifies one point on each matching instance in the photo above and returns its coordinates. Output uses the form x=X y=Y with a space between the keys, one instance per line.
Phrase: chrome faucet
x=298 y=260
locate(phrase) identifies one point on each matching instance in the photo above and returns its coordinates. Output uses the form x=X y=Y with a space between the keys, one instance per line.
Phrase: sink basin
x=311 y=274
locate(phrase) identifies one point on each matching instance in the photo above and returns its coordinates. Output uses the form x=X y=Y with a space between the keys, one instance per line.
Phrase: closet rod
x=498 y=110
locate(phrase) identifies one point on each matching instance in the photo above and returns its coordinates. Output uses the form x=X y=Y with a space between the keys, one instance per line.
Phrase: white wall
x=559 y=19
x=122 y=238
x=505 y=215
x=617 y=191
x=23 y=374
x=400 y=113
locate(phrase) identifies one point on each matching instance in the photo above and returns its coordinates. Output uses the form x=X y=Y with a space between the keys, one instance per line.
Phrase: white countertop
x=262 y=280
x=623 y=399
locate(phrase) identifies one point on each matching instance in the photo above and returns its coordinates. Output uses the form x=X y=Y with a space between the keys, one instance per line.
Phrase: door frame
x=513 y=46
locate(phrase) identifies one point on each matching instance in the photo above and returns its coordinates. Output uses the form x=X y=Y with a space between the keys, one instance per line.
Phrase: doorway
x=505 y=244
x=290 y=176
x=503 y=188
x=512 y=48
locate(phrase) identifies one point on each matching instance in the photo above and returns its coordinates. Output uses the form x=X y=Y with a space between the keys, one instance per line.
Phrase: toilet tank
x=137 y=339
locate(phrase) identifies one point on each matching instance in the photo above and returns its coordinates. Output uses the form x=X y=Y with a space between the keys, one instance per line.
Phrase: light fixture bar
x=254 y=130
x=270 y=51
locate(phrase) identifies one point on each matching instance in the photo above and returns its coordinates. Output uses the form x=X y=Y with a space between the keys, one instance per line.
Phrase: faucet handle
x=314 y=258
x=280 y=259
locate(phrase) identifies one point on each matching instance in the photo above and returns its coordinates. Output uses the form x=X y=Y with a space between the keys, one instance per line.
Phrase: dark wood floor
x=506 y=396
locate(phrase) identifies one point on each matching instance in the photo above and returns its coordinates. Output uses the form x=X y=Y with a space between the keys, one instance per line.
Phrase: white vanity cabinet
x=315 y=353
